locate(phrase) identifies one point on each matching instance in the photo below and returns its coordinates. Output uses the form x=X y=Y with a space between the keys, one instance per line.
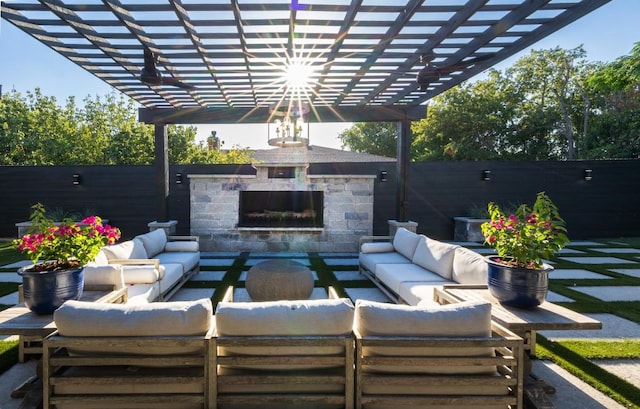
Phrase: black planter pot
x=45 y=291
x=517 y=287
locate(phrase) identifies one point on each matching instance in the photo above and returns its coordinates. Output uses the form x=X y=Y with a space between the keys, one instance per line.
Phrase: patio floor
x=579 y=275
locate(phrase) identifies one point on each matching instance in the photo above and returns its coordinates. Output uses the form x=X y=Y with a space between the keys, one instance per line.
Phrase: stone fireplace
x=281 y=208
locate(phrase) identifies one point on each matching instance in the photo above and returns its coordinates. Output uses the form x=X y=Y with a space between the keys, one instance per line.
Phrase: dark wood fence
x=605 y=206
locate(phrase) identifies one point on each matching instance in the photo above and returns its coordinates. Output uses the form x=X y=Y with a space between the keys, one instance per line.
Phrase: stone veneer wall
x=348 y=212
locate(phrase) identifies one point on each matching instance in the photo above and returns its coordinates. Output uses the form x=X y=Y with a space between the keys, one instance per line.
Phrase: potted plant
x=518 y=276
x=59 y=253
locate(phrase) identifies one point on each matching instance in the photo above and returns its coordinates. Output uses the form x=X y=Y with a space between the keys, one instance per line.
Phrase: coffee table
x=279 y=279
x=525 y=323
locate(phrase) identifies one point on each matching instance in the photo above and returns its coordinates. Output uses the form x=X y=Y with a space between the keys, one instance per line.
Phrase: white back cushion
x=435 y=256
x=405 y=242
x=130 y=249
x=89 y=319
x=154 y=241
x=469 y=267
x=466 y=319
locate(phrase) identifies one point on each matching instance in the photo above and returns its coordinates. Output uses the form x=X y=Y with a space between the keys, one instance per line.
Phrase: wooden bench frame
x=194 y=371
x=508 y=361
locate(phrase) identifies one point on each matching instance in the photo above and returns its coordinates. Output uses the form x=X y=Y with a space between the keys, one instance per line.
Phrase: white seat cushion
x=394 y=274
x=142 y=293
x=435 y=256
x=172 y=274
x=370 y=260
x=188 y=260
x=405 y=242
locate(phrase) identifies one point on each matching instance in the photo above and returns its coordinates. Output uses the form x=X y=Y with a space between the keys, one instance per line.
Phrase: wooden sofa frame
x=508 y=361
x=339 y=379
x=160 y=381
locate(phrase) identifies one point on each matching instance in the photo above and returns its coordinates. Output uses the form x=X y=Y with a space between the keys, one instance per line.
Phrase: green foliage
x=35 y=130
x=376 y=138
x=527 y=236
x=64 y=245
x=550 y=105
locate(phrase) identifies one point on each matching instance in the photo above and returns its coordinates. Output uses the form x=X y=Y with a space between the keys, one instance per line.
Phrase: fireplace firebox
x=281 y=209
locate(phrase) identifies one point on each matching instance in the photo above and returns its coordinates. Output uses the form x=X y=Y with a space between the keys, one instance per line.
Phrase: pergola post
x=161 y=167
x=402 y=169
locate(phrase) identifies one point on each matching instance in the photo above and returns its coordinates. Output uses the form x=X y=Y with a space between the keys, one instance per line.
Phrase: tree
x=35 y=130
x=376 y=138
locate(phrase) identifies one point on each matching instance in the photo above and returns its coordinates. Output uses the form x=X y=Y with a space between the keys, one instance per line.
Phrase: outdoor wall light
x=178 y=178
x=486 y=175
x=77 y=179
x=588 y=174
x=383 y=176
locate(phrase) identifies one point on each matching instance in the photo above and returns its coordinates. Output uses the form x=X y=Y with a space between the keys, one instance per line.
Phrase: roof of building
x=314 y=154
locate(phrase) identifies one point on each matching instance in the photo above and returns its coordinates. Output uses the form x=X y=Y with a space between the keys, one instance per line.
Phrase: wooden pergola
x=230 y=61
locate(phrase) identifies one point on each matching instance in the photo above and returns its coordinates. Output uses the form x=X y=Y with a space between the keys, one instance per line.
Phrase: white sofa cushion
x=466 y=319
x=172 y=273
x=142 y=293
x=420 y=292
x=109 y=274
x=89 y=319
x=130 y=249
x=435 y=256
x=370 y=261
x=376 y=247
x=469 y=267
x=187 y=260
x=101 y=259
x=394 y=274
x=154 y=242
x=140 y=274
x=285 y=318
x=291 y=317
x=405 y=242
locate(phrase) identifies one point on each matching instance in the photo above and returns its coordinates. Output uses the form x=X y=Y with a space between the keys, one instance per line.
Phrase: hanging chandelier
x=289 y=129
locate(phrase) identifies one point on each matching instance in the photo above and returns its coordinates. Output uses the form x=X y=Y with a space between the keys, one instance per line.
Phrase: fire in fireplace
x=281 y=209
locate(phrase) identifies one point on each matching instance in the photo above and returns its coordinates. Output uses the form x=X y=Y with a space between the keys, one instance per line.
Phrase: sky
x=606 y=34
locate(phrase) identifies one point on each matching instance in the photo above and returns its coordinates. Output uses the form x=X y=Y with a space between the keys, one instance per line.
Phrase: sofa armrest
x=137 y=261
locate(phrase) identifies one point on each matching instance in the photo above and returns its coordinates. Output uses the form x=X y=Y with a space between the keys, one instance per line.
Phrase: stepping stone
x=596 y=260
x=611 y=293
x=371 y=294
x=633 y=272
x=209 y=276
x=570 y=251
x=579 y=274
x=10 y=277
x=241 y=294
x=611 y=250
x=341 y=261
x=279 y=255
x=584 y=243
x=10 y=299
x=254 y=261
x=333 y=255
x=223 y=254
x=555 y=297
x=17 y=264
x=192 y=294
x=349 y=276
x=627 y=369
x=613 y=327
x=216 y=262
